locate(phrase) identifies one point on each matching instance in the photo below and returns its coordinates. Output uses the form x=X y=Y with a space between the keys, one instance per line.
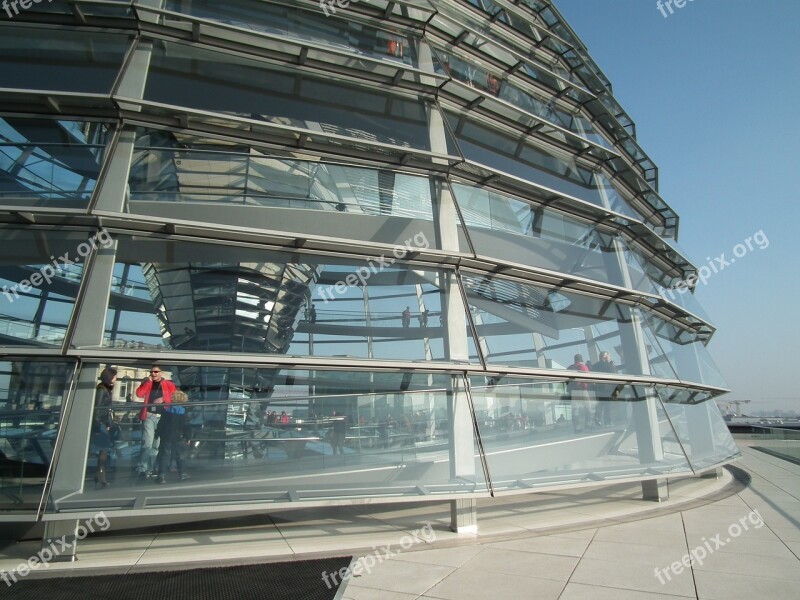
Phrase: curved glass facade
x=367 y=243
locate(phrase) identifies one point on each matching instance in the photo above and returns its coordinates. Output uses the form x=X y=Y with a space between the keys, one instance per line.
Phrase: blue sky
x=713 y=89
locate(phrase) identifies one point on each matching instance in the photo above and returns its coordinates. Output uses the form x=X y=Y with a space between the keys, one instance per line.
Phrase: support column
x=70 y=470
x=90 y=313
x=645 y=412
x=464 y=515
x=634 y=347
x=61 y=540
x=656 y=490
x=713 y=474
x=113 y=190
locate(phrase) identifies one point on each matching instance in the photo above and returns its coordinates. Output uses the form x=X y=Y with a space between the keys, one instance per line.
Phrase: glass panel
x=248 y=435
x=700 y=427
x=649 y=277
x=175 y=175
x=31 y=393
x=684 y=352
x=210 y=298
x=686 y=300
x=104 y=8
x=645 y=274
x=492 y=82
x=506 y=153
x=611 y=198
x=512 y=230
x=460 y=22
x=40 y=273
x=783 y=443
x=181 y=75
x=660 y=365
x=524 y=325
x=60 y=60
x=538 y=432
x=331 y=28
x=50 y=163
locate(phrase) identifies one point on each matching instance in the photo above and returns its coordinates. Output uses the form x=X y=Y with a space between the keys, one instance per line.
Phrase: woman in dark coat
x=103 y=426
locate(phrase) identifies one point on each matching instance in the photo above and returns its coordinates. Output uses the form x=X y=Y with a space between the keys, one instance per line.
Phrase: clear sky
x=713 y=89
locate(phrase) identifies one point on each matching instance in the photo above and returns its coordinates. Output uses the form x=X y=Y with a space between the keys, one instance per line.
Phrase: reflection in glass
x=340 y=31
x=182 y=75
x=461 y=24
x=50 y=163
x=524 y=325
x=538 y=433
x=178 y=167
x=504 y=152
x=207 y=298
x=262 y=435
x=102 y=8
x=512 y=230
x=31 y=393
x=687 y=355
x=60 y=60
x=494 y=83
x=37 y=288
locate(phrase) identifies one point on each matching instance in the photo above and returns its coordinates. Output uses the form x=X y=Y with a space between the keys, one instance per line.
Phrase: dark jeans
x=603 y=413
x=166 y=452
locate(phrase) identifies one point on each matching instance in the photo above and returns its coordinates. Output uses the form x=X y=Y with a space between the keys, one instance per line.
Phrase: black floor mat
x=295 y=580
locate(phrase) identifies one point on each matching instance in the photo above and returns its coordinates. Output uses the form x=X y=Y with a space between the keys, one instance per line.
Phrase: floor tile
x=629 y=576
x=525 y=564
x=401 y=576
x=354 y=592
x=548 y=544
x=446 y=557
x=750 y=564
x=658 y=555
x=580 y=591
x=712 y=585
x=471 y=584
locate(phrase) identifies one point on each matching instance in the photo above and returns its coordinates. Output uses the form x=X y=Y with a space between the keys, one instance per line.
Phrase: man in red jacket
x=154 y=390
x=579 y=395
